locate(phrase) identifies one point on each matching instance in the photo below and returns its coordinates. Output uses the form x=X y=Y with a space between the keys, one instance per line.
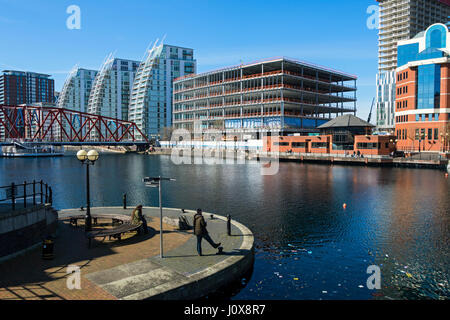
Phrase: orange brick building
x=422 y=105
x=343 y=135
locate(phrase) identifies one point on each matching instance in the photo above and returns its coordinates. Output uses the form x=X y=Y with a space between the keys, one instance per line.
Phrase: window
x=364 y=145
x=281 y=144
x=429 y=86
x=298 y=144
x=436 y=134
x=430 y=134
x=319 y=145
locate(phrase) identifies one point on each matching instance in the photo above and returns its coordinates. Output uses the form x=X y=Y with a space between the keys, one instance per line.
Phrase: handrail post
x=46 y=193
x=50 y=195
x=13 y=196
x=24 y=194
x=42 y=193
x=34 y=192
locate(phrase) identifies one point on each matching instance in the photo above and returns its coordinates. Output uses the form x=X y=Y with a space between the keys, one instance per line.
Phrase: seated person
x=138 y=217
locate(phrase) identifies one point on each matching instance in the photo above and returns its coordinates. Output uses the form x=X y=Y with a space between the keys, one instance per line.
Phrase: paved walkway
x=131 y=268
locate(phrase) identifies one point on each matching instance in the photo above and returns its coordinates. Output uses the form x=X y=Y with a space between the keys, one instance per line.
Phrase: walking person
x=201 y=233
x=139 y=217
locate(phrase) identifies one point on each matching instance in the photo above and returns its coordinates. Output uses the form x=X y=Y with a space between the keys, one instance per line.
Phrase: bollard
x=48 y=248
x=124 y=200
x=229 y=225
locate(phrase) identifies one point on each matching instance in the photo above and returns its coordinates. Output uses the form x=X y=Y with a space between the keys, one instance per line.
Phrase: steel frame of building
x=263 y=89
x=34 y=123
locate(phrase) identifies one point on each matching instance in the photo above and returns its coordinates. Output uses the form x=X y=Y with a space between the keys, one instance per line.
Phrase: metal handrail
x=41 y=193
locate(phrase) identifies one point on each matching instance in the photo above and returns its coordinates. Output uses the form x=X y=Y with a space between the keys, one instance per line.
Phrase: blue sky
x=222 y=33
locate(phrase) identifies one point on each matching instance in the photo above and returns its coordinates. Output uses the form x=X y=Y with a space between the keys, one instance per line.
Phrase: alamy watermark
x=73 y=281
x=213 y=147
x=373 y=21
x=73 y=22
x=374 y=281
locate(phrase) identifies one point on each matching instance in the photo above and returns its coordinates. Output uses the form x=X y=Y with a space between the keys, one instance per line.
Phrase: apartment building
x=77 y=89
x=112 y=87
x=151 y=98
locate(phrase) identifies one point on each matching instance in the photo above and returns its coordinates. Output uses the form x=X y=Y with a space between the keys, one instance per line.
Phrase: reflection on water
x=307 y=245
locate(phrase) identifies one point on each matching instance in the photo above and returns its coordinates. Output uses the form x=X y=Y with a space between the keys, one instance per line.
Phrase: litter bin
x=47 y=249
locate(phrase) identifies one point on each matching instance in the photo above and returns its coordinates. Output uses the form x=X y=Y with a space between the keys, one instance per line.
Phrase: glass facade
x=407 y=53
x=429 y=86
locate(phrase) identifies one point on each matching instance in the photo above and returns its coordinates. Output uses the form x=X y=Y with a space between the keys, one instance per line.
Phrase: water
x=307 y=245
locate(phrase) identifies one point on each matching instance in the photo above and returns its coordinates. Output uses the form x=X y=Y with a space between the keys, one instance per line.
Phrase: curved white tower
x=150 y=104
x=76 y=90
x=139 y=99
x=98 y=92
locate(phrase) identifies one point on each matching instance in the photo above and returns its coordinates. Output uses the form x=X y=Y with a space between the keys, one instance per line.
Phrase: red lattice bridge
x=63 y=126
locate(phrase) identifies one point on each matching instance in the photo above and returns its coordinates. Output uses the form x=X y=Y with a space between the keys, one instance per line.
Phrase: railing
x=40 y=193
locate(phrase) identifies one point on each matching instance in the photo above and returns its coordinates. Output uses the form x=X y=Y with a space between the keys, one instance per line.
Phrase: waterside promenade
x=131 y=269
x=420 y=160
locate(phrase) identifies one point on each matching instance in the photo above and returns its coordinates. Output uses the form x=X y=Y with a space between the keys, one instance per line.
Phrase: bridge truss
x=51 y=124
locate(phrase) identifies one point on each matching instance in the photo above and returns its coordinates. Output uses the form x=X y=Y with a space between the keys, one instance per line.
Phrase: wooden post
x=46 y=193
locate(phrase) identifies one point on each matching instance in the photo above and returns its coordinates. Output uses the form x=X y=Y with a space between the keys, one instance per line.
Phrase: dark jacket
x=199 y=225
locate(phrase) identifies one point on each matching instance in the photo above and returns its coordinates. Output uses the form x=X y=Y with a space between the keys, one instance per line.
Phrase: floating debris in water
x=360 y=286
x=324 y=291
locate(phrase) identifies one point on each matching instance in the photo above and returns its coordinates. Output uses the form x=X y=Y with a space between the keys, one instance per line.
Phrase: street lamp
x=155 y=182
x=88 y=158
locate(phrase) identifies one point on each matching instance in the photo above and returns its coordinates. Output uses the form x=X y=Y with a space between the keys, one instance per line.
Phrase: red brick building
x=19 y=87
x=346 y=135
x=422 y=105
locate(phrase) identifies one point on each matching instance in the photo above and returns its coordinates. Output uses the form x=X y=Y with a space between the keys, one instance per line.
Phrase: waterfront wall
x=255 y=145
x=24 y=229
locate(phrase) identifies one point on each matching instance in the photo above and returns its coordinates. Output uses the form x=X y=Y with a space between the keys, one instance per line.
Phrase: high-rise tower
x=400 y=20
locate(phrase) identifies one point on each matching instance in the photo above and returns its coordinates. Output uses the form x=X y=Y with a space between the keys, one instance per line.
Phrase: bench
x=114 y=232
x=116 y=219
x=123 y=225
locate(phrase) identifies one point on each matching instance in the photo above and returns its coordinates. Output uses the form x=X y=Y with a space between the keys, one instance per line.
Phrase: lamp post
x=155 y=182
x=88 y=158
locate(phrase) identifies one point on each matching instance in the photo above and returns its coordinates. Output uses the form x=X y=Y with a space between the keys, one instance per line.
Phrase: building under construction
x=274 y=95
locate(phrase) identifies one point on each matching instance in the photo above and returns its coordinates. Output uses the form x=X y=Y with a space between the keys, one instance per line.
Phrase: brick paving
x=29 y=277
x=110 y=270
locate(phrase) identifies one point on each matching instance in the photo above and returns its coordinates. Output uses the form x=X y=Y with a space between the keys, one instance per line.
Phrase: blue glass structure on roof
x=436 y=36
x=407 y=53
x=435 y=39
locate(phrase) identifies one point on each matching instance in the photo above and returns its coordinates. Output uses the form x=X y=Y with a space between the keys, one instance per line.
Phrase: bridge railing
x=26 y=194
x=59 y=125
